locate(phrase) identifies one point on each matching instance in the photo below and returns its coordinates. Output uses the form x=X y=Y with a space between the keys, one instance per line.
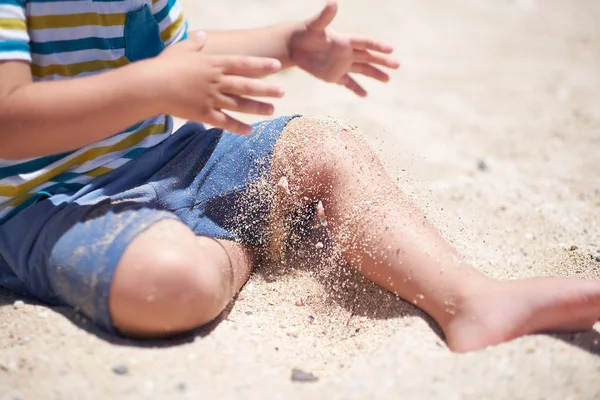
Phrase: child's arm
x=53 y=117
x=270 y=41
x=45 y=118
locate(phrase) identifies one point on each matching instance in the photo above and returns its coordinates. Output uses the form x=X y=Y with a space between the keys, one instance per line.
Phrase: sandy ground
x=492 y=126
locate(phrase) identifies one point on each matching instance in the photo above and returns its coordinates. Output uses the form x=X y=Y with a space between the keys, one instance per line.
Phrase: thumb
x=196 y=40
x=324 y=18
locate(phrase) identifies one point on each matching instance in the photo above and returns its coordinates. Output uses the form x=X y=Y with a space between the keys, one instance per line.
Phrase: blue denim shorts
x=65 y=248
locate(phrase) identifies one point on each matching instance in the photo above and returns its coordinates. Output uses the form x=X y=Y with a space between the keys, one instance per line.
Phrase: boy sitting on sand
x=151 y=232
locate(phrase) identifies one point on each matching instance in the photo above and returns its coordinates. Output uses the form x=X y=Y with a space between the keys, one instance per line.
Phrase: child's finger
x=197 y=39
x=244 y=105
x=248 y=66
x=239 y=85
x=365 y=43
x=324 y=18
x=370 y=71
x=221 y=120
x=351 y=84
x=370 y=57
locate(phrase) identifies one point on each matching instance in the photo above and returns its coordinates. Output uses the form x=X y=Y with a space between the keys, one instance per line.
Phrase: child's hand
x=200 y=87
x=332 y=56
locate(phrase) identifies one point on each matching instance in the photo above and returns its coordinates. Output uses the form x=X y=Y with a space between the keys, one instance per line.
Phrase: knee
x=167 y=285
x=318 y=150
x=323 y=135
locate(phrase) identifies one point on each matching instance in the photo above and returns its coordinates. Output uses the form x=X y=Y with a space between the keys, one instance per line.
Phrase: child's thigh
x=68 y=253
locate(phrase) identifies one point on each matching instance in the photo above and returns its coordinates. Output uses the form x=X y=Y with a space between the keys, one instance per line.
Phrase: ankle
x=464 y=299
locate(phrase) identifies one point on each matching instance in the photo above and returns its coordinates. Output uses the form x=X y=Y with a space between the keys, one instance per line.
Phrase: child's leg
x=169 y=280
x=391 y=243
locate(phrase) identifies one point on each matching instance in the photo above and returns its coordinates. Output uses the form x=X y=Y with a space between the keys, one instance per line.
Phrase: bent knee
x=166 y=283
x=321 y=141
x=321 y=132
x=317 y=150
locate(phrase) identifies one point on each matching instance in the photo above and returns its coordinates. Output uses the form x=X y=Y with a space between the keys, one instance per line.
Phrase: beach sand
x=492 y=126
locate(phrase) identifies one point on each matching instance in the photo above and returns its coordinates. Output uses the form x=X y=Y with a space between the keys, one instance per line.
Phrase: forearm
x=271 y=41
x=46 y=118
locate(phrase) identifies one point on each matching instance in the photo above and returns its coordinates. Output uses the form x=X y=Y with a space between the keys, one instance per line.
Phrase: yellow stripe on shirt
x=93 y=173
x=67 y=70
x=91 y=154
x=98 y=172
x=75 y=20
x=172 y=29
x=16 y=24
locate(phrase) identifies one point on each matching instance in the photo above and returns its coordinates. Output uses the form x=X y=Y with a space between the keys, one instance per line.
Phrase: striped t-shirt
x=77 y=38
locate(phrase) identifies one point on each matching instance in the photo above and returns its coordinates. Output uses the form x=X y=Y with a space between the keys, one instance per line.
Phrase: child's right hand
x=199 y=87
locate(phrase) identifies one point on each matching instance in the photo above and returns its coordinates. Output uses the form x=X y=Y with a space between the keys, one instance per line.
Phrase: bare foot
x=510 y=309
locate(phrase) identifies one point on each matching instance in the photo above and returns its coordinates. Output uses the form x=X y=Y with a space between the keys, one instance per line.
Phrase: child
x=151 y=233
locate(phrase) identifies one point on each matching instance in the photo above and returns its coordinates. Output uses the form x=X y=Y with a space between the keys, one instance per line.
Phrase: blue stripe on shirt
x=162 y=14
x=134 y=153
x=65 y=176
x=18 y=3
x=30 y=166
x=9 y=46
x=67 y=46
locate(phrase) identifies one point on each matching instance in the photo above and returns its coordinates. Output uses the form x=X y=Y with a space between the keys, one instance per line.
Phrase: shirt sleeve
x=14 y=39
x=172 y=24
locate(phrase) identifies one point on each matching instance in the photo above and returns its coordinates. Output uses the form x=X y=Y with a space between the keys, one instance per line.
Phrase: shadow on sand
x=347 y=288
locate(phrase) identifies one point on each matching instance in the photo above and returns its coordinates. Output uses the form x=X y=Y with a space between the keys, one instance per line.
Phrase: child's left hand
x=332 y=56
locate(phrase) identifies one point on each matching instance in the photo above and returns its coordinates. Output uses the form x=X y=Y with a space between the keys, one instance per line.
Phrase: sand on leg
x=169 y=280
x=391 y=243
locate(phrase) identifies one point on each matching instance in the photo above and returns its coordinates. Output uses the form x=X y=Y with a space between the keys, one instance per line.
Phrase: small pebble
x=301 y=376
x=181 y=386
x=319 y=245
x=573 y=248
x=482 y=165
x=42 y=357
x=120 y=369
x=18 y=304
x=300 y=302
x=311 y=319
x=598 y=258
x=248 y=312
x=283 y=184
